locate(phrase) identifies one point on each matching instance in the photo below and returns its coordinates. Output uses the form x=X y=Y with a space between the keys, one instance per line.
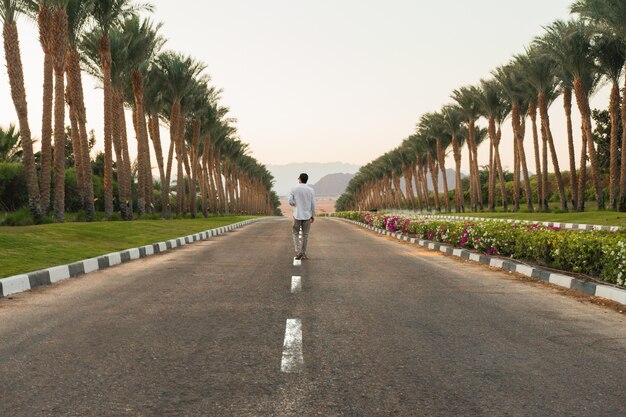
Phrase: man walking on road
x=302 y=198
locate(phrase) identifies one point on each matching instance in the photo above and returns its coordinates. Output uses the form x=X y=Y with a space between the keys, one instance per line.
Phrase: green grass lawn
x=604 y=218
x=591 y=215
x=29 y=248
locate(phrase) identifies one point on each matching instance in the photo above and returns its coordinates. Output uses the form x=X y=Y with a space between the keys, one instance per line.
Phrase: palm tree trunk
x=418 y=193
x=458 y=187
x=155 y=136
x=46 y=132
x=141 y=178
x=545 y=185
x=18 y=94
x=128 y=178
x=532 y=112
x=432 y=167
x=444 y=175
x=472 y=182
x=104 y=49
x=44 y=19
x=143 y=147
x=59 y=34
x=622 y=178
x=520 y=128
x=582 y=98
x=76 y=87
x=582 y=178
x=567 y=105
x=76 y=145
x=545 y=123
x=168 y=170
x=408 y=180
x=423 y=170
x=491 y=130
x=516 y=175
x=614 y=109
x=195 y=143
x=498 y=164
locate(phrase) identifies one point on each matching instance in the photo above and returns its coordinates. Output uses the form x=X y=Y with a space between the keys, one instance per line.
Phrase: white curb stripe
x=292 y=361
x=561 y=280
x=59 y=273
x=296 y=284
x=114 y=258
x=611 y=293
x=524 y=270
x=14 y=284
x=90 y=265
x=134 y=253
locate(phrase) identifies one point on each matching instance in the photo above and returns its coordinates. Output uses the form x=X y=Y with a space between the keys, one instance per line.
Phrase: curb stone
x=24 y=282
x=588 y=288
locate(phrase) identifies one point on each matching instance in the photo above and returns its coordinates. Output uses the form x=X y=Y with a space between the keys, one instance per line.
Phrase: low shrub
x=600 y=254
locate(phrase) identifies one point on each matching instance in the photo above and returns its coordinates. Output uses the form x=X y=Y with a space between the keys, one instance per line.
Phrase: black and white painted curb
x=589 y=288
x=570 y=226
x=25 y=282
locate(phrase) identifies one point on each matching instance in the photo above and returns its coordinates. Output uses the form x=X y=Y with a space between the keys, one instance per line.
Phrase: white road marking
x=297 y=262
x=292 y=361
x=296 y=284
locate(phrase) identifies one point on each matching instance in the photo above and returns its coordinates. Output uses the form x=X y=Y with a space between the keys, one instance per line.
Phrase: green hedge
x=599 y=254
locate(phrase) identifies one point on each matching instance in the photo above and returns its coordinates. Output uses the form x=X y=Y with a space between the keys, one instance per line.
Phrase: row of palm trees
x=109 y=40
x=571 y=59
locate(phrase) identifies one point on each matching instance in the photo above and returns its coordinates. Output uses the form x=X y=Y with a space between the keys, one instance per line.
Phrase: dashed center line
x=296 y=284
x=293 y=361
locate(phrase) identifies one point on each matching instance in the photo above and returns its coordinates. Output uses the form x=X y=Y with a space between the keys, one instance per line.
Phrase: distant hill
x=332 y=185
x=286 y=176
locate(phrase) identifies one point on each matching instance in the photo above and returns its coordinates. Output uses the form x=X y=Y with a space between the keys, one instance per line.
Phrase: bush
x=597 y=253
x=22 y=217
x=13 y=194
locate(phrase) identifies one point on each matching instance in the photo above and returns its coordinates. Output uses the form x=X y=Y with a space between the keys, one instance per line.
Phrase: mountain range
x=286 y=176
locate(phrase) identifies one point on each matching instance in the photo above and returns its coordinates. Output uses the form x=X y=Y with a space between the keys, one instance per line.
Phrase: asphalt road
x=387 y=329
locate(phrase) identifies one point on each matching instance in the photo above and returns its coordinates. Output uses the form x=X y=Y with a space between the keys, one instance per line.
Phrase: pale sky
x=331 y=80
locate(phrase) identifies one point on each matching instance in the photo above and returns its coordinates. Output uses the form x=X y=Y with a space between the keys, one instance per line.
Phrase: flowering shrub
x=597 y=253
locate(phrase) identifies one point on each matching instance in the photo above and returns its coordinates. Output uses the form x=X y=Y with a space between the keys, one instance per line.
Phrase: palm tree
x=466 y=97
x=106 y=14
x=143 y=42
x=78 y=12
x=9 y=9
x=154 y=106
x=512 y=83
x=177 y=74
x=610 y=51
x=453 y=124
x=570 y=44
x=10 y=145
x=41 y=11
x=432 y=127
x=118 y=52
x=610 y=16
x=494 y=107
x=59 y=53
x=539 y=70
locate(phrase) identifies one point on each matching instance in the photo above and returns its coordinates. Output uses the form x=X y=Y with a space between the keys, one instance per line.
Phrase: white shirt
x=302 y=197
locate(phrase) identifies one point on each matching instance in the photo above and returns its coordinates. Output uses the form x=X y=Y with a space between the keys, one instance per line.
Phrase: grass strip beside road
x=603 y=218
x=30 y=248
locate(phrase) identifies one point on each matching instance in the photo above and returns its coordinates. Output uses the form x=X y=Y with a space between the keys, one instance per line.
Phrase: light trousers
x=299 y=243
